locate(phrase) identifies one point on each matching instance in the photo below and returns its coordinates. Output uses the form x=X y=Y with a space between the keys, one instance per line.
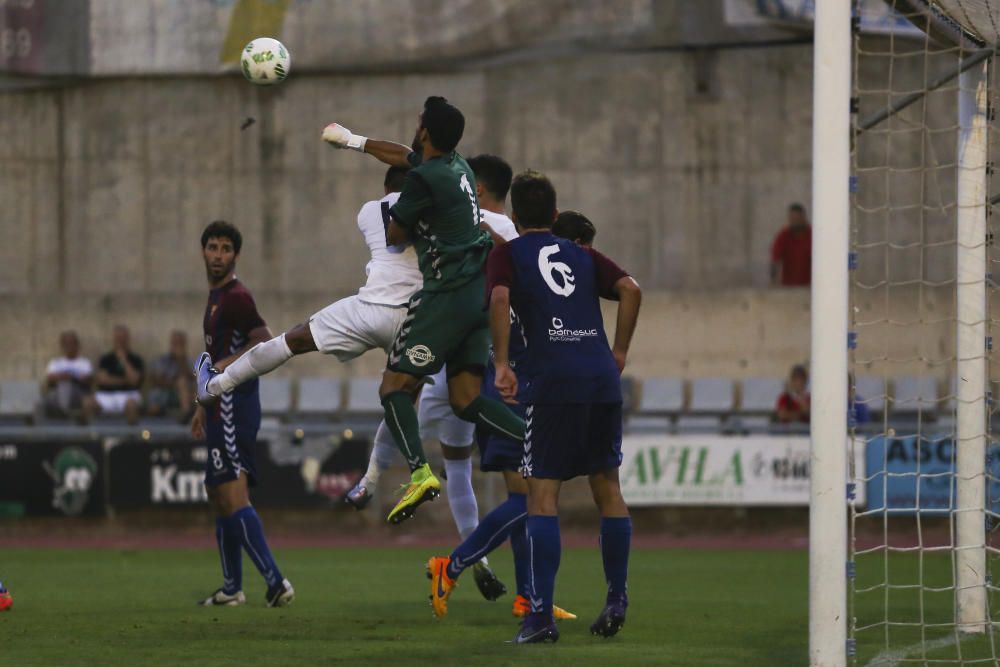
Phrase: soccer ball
x=265 y=61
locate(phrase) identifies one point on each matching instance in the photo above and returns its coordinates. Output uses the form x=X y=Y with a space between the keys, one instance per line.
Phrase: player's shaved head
x=533 y=200
x=394 y=178
x=220 y=229
x=493 y=173
x=574 y=226
x=444 y=123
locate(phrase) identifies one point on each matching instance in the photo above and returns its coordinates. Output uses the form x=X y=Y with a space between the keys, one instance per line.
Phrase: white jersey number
x=549 y=269
x=467 y=189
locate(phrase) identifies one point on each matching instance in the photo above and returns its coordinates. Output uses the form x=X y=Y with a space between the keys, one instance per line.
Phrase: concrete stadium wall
x=685 y=162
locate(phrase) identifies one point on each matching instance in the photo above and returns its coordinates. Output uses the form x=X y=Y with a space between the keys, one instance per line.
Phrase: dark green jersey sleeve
x=413 y=202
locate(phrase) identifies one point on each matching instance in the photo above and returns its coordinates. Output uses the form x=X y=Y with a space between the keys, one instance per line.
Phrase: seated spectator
x=171 y=382
x=67 y=379
x=793 y=404
x=119 y=380
x=791 y=252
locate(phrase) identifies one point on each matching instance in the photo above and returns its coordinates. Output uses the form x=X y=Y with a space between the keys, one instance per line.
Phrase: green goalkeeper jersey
x=439 y=209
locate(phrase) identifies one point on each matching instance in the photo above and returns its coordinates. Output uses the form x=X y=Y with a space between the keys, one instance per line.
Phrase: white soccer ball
x=265 y=61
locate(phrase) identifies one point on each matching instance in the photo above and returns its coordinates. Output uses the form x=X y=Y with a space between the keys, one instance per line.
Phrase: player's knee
x=608 y=496
x=300 y=339
x=542 y=506
x=516 y=483
x=455 y=453
x=393 y=382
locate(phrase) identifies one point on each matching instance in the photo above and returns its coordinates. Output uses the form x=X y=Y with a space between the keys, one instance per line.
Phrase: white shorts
x=113 y=402
x=350 y=327
x=437 y=421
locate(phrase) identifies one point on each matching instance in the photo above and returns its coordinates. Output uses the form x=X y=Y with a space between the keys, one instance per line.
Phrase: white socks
x=259 y=360
x=461 y=498
x=382 y=454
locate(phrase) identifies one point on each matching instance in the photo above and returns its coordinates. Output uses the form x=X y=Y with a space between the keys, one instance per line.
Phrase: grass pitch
x=369 y=607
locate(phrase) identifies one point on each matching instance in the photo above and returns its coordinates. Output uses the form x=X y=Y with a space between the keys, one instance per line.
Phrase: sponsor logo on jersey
x=419 y=355
x=550 y=270
x=560 y=334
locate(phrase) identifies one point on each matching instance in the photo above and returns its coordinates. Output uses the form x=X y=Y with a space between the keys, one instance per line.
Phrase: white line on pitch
x=891 y=658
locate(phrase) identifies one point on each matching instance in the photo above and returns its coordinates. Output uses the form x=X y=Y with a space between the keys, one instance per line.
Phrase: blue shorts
x=497 y=453
x=570 y=440
x=231 y=436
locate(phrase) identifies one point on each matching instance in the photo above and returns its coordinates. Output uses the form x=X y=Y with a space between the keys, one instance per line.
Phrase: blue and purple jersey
x=230 y=316
x=555 y=289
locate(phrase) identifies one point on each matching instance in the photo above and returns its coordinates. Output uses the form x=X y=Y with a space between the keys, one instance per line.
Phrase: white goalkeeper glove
x=341 y=137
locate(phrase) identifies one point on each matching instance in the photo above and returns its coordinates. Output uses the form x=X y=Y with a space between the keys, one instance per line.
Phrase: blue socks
x=616 y=534
x=492 y=531
x=227 y=535
x=522 y=559
x=544 y=549
x=251 y=532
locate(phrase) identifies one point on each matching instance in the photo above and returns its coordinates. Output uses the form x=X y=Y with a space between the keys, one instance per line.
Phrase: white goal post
x=830 y=242
x=883 y=173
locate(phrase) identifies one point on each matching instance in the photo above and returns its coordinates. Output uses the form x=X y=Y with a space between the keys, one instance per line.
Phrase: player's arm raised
x=388 y=152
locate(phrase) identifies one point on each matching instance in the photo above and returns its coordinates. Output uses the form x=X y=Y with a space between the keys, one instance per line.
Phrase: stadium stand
x=759 y=395
x=915 y=394
x=873 y=392
x=18 y=400
x=319 y=398
x=275 y=396
x=712 y=402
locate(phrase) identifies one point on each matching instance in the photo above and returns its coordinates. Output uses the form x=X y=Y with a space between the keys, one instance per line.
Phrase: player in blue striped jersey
x=573 y=424
x=229 y=426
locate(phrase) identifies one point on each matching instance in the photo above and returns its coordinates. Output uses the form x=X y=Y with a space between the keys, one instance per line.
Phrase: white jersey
x=393 y=274
x=501 y=224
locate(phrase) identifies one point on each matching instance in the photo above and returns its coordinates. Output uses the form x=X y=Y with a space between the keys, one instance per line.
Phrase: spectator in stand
x=171 y=381
x=67 y=379
x=791 y=252
x=119 y=379
x=793 y=404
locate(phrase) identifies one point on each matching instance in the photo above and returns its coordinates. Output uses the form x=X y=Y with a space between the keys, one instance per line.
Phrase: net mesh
x=909 y=571
x=981 y=17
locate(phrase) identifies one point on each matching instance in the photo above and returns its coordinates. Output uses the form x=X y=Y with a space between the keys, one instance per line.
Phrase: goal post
x=919 y=557
x=971 y=336
x=831 y=220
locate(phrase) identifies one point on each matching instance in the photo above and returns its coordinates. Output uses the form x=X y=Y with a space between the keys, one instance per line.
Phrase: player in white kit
x=349 y=327
x=368 y=320
x=437 y=419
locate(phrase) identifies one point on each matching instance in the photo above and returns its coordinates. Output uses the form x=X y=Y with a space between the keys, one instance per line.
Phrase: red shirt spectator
x=791 y=252
x=793 y=404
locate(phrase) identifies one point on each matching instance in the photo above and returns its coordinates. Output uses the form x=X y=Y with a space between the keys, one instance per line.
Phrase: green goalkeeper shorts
x=440 y=328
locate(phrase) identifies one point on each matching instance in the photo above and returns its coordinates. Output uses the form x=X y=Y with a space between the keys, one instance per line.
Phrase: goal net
x=921 y=551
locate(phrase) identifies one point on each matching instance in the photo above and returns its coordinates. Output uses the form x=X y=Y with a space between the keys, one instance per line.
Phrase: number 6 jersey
x=555 y=289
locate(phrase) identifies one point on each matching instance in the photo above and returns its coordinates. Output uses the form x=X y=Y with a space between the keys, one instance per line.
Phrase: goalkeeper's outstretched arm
x=388 y=152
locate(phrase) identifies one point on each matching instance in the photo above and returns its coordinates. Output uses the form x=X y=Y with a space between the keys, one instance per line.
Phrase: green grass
x=369 y=607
